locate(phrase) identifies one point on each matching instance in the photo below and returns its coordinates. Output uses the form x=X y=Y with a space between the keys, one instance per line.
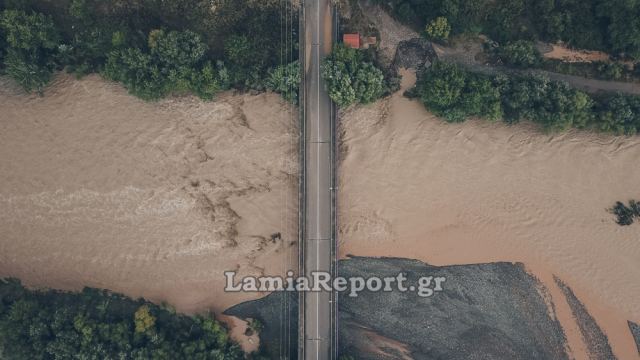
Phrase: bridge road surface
x=318 y=310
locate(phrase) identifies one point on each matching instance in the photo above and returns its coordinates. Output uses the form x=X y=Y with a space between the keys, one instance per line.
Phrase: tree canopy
x=31 y=39
x=456 y=94
x=609 y=25
x=154 y=48
x=96 y=324
x=350 y=78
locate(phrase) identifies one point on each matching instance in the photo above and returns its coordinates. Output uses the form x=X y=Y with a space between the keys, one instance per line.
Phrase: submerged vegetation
x=625 y=215
x=456 y=94
x=96 y=324
x=154 y=48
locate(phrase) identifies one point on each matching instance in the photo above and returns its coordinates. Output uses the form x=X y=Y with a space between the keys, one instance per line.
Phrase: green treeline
x=456 y=94
x=154 y=47
x=608 y=25
x=96 y=324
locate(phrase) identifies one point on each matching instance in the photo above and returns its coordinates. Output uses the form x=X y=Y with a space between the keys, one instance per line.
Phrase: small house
x=351 y=40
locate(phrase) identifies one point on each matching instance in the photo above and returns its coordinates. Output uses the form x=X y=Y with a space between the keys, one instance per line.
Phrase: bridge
x=318 y=310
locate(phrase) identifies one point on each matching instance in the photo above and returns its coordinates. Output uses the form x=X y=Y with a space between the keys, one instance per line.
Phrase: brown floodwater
x=414 y=186
x=100 y=189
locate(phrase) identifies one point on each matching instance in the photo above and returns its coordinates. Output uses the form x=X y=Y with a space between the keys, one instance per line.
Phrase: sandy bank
x=98 y=188
x=413 y=186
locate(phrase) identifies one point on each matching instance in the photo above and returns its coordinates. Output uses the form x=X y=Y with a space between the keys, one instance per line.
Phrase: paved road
x=319 y=244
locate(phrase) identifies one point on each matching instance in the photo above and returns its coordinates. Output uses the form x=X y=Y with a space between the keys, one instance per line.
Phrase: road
x=318 y=247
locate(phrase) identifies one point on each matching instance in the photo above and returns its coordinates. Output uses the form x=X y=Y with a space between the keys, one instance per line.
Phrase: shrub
x=285 y=80
x=455 y=94
x=26 y=71
x=521 y=54
x=32 y=32
x=625 y=214
x=32 y=41
x=620 y=114
x=438 y=29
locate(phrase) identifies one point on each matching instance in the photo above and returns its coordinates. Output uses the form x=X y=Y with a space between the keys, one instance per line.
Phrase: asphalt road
x=319 y=243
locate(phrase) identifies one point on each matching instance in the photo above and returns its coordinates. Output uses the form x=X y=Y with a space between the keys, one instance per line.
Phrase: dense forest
x=608 y=25
x=154 y=47
x=456 y=94
x=96 y=324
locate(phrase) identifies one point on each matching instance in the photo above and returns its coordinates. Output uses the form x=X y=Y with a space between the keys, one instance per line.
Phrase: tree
x=174 y=64
x=438 y=29
x=176 y=49
x=25 y=70
x=521 y=54
x=64 y=325
x=350 y=79
x=143 y=319
x=285 y=79
x=32 y=32
x=620 y=114
x=32 y=41
x=440 y=89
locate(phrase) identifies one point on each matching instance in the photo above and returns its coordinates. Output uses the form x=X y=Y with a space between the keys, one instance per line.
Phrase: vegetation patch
x=523 y=54
x=351 y=77
x=97 y=324
x=625 y=215
x=612 y=26
x=456 y=94
x=155 y=48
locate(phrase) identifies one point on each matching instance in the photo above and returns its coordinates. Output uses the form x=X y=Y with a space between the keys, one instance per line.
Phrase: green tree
x=63 y=325
x=285 y=80
x=521 y=53
x=441 y=88
x=143 y=319
x=438 y=29
x=177 y=49
x=350 y=78
x=620 y=114
x=32 y=40
x=32 y=32
x=26 y=70
x=175 y=64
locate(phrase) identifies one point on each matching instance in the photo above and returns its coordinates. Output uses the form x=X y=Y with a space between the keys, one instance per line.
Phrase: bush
x=620 y=114
x=521 y=54
x=285 y=80
x=31 y=43
x=350 y=78
x=438 y=29
x=31 y=32
x=27 y=71
x=455 y=94
x=625 y=214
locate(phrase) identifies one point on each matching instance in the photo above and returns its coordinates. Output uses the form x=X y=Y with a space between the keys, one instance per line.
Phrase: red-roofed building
x=351 y=40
